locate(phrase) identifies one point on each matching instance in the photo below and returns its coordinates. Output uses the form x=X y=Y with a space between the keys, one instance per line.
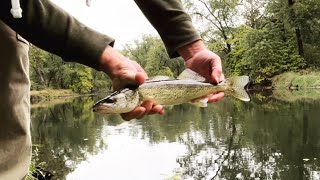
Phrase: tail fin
x=237 y=85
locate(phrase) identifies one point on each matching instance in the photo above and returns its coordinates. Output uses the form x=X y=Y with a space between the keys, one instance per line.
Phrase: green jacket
x=52 y=29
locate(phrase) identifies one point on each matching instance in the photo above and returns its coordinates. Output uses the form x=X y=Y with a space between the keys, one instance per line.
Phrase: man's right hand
x=206 y=63
x=123 y=72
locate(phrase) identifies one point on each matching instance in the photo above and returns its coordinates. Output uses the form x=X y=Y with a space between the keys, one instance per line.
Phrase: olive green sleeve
x=52 y=29
x=171 y=21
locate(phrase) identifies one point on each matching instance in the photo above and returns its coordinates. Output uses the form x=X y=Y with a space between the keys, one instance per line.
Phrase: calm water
x=273 y=137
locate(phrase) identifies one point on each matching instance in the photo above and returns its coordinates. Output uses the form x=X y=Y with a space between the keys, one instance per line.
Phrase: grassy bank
x=48 y=94
x=296 y=80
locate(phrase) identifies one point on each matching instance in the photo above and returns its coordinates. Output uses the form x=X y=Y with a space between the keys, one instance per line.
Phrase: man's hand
x=123 y=72
x=206 y=63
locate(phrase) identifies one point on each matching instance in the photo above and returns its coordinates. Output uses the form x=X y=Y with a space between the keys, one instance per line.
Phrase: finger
x=216 y=97
x=162 y=112
x=157 y=109
x=137 y=112
x=222 y=77
x=148 y=106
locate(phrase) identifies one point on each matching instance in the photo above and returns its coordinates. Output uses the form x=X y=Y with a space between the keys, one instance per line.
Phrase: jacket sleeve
x=52 y=29
x=171 y=21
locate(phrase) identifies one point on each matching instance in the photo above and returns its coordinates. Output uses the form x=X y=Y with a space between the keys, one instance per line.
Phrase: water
x=273 y=137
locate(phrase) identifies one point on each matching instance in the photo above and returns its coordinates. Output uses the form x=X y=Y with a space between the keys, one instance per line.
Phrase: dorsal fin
x=159 y=78
x=189 y=74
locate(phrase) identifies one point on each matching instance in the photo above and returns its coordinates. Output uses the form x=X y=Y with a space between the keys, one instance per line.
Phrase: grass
x=48 y=94
x=302 y=79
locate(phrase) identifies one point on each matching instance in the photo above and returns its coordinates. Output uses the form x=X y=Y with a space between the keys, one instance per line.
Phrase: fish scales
x=175 y=91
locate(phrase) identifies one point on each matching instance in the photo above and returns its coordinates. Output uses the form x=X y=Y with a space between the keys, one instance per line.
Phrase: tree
x=220 y=17
x=151 y=54
x=49 y=71
x=307 y=19
x=254 y=12
x=263 y=53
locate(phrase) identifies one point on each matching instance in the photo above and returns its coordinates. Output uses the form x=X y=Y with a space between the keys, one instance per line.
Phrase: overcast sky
x=120 y=19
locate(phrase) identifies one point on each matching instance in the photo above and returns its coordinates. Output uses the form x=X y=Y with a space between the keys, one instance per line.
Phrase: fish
x=189 y=87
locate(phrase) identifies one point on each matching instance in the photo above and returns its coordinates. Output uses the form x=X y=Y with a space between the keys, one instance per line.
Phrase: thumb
x=216 y=76
x=128 y=79
x=140 y=77
x=216 y=70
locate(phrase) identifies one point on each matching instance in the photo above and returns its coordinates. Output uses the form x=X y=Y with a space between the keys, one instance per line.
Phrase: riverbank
x=297 y=80
x=49 y=94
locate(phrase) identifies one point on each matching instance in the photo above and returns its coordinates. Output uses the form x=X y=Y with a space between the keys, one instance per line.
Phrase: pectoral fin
x=201 y=102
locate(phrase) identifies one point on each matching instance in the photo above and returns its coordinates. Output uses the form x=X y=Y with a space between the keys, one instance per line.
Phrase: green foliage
x=151 y=54
x=81 y=79
x=217 y=20
x=268 y=38
x=270 y=54
x=49 y=71
x=262 y=53
x=302 y=79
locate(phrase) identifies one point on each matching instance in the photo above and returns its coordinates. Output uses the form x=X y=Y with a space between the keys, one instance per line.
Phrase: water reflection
x=267 y=138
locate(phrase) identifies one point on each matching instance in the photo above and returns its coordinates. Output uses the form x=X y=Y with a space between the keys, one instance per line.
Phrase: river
x=274 y=136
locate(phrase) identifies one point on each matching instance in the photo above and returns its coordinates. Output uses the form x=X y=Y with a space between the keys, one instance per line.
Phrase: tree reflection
x=266 y=138
x=66 y=134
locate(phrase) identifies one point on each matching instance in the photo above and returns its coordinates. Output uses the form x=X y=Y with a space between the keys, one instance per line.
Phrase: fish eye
x=109 y=100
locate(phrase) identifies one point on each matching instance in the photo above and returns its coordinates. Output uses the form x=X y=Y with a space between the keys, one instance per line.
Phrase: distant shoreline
x=48 y=94
x=305 y=79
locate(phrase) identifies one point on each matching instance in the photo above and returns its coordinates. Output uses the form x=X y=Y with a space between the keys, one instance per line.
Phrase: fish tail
x=237 y=85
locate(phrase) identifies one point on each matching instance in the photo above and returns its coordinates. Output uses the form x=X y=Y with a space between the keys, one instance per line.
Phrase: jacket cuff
x=183 y=34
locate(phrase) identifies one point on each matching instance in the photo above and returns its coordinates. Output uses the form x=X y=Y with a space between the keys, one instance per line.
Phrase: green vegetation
x=275 y=37
x=53 y=93
x=259 y=38
x=33 y=165
x=150 y=53
x=303 y=79
x=49 y=71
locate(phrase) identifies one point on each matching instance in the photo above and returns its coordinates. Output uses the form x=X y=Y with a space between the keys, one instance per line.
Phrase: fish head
x=118 y=102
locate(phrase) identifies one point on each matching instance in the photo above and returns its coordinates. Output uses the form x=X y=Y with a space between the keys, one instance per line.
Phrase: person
x=52 y=29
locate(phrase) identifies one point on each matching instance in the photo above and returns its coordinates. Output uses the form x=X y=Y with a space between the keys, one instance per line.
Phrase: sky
x=120 y=19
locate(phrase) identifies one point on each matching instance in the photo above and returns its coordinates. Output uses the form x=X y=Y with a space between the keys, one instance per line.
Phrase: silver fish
x=189 y=87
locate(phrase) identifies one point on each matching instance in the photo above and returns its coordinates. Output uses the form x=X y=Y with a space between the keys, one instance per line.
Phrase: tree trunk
x=300 y=43
x=298 y=32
